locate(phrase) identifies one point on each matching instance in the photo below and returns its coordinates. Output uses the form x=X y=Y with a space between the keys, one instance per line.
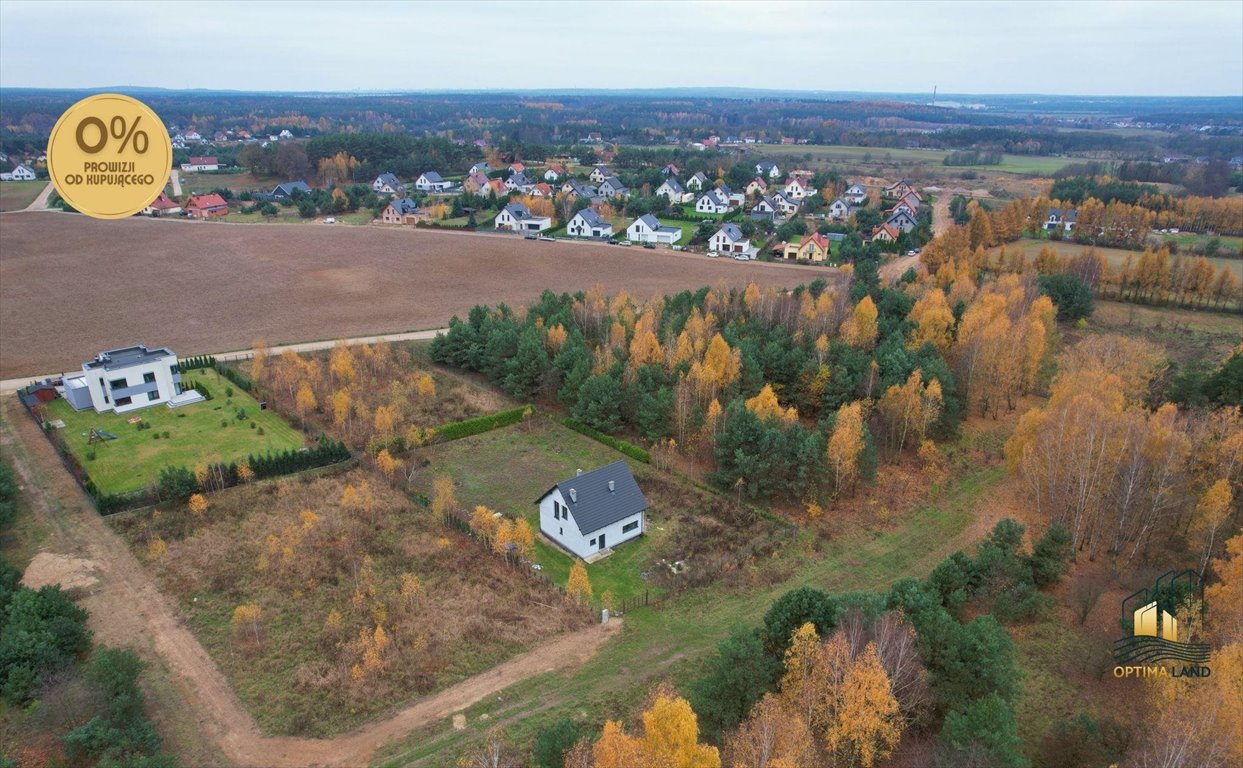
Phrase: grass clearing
x=1116 y=257
x=16 y=195
x=198 y=183
x=195 y=435
x=1018 y=164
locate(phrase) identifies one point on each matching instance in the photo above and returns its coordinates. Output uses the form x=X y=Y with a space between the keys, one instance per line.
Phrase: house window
x=148 y=377
x=153 y=394
x=116 y=384
x=592 y=543
x=628 y=527
x=122 y=401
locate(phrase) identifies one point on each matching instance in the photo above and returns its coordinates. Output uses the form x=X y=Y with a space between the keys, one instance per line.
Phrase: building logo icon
x=1154 y=629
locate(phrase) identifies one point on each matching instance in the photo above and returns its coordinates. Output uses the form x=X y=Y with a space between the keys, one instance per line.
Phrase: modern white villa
x=593 y=511
x=127 y=379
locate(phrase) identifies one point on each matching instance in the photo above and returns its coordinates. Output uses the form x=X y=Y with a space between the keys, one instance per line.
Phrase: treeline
x=1076 y=189
x=973 y=157
x=784 y=395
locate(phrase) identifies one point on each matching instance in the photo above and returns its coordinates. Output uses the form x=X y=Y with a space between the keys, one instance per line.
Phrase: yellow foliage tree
x=156 y=548
x=484 y=523
x=1227 y=625
x=578 y=586
x=388 y=466
x=859 y=330
x=765 y=406
x=772 y=736
x=426 y=387
x=523 y=538
x=341 y=402
x=305 y=400
x=845 y=446
x=671 y=735
x=246 y=616
x=444 y=499
x=198 y=504
x=868 y=724
x=385 y=420
x=341 y=364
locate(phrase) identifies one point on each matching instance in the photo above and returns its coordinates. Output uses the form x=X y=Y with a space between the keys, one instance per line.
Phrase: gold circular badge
x=109 y=156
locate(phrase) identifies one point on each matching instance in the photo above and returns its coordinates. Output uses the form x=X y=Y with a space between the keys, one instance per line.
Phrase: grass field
x=288 y=284
x=196 y=183
x=507 y=470
x=669 y=644
x=1021 y=164
x=195 y=435
x=688 y=229
x=1115 y=256
x=16 y=195
x=1189 y=240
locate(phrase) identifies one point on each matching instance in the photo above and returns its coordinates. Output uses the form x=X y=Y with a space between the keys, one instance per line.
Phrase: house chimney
x=578 y=472
x=573 y=495
x=612 y=486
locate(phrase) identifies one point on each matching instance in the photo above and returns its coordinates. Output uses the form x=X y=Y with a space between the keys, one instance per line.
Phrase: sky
x=1118 y=47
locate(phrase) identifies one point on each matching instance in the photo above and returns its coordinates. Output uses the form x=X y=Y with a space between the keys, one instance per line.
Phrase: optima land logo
x=1150 y=615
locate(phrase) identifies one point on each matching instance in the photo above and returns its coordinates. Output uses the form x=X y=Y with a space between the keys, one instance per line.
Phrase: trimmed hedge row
x=630 y=449
x=235 y=376
x=479 y=424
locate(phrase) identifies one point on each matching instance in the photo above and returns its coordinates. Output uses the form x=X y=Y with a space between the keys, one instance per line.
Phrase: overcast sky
x=1108 y=48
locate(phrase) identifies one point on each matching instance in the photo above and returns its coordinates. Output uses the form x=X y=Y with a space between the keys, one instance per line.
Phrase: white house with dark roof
x=593 y=511
x=648 y=229
x=765 y=209
x=729 y=239
x=388 y=184
x=587 y=223
x=611 y=186
x=1064 y=218
x=786 y=204
x=431 y=181
x=671 y=190
x=712 y=201
x=768 y=169
x=518 y=182
x=600 y=173
x=855 y=194
x=481 y=167
x=902 y=220
x=286 y=191
x=839 y=209
x=127 y=379
x=697 y=182
x=516 y=217
x=20 y=173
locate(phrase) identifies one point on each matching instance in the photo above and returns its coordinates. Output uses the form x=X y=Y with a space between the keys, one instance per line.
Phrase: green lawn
x=508 y=469
x=1189 y=240
x=16 y=195
x=689 y=210
x=1116 y=257
x=195 y=435
x=688 y=229
x=1022 y=164
x=670 y=644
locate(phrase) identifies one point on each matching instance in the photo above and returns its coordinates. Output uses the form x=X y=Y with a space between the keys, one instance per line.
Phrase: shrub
x=1071 y=294
x=629 y=449
x=224 y=422
x=176 y=483
x=156 y=436
x=261 y=430
x=552 y=743
x=480 y=424
x=165 y=433
x=253 y=425
x=90 y=455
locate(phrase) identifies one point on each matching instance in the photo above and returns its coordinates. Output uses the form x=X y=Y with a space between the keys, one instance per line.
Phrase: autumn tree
x=156 y=548
x=305 y=401
x=444 y=498
x=860 y=329
x=578 y=587
x=845 y=446
x=388 y=466
x=484 y=523
x=771 y=737
x=198 y=504
x=246 y=616
x=1227 y=591
x=868 y=725
x=765 y=406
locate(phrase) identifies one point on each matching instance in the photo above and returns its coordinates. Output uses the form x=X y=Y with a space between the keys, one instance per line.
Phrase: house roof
x=817 y=239
x=404 y=206
x=212 y=200
x=731 y=231
x=115 y=359
x=855 y=189
x=673 y=185
x=715 y=197
x=542 y=189
x=164 y=201
x=517 y=167
x=389 y=179
x=479 y=179
x=518 y=211
x=290 y=187
x=207 y=160
x=889 y=229
x=593 y=505
x=700 y=175
x=766 y=166
x=498 y=185
x=653 y=223
x=557 y=168
x=613 y=182
x=765 y=201
x=591 y=218
x=432 y=177
x=760 y=182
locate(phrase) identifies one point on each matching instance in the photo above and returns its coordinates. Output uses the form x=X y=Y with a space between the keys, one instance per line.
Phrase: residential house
x=797 y=189
x=517 y=168
x=587 y=223
x=430 y=181
x=162 y=205
x=765 y=209
x=401 y=211
x=671 y=190
x=1061 y=217
x=886 y=233
x=207 y=206
x=476 y=184
x=593 y=511
x=757 y=186
x=840 y=210
x=516 y=217
x=902 y=220
x=786 y=204
x=712 y=202
x=20 y=173
x=388 y=184
x=905 y=206
x=855 y=194
x=496 y=188
x=481 y=167
x=729 y=239
x=201 y=164
x=648 y=229
x=554 y=172
x=768 y=169
x=813 y=247
x=576 y=189
x=670 y=170
x=599 y=174
x=897 y=190
x=286 y=191
x=540 y=189
x=697 y=182
x=611 y=186
x=518 y=182
x=126 y=379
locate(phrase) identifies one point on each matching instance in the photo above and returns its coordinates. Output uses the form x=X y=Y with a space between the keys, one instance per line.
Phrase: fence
x=643 y=601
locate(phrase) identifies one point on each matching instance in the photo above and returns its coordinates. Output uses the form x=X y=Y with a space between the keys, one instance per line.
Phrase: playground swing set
x=99 y=436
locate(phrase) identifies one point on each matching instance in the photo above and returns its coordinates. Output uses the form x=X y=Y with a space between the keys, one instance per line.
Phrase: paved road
x=12 y=385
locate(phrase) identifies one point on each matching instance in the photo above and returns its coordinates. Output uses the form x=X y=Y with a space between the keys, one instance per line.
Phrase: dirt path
x=175 y=178
x=941 y=214
x=127 y=609
x=40 y=201
x=12 y=385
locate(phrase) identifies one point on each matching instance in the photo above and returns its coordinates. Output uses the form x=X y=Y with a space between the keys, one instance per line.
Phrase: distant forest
x=1009 y=124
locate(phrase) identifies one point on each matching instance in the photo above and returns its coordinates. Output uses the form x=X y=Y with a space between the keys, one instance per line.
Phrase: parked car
x=624 y=242
x=679 y=248
x=713 y=254
x=546 y=237
x=741 y=257
x=651 y=246
x=530 y=236
x=330 y=220
x=912 y=253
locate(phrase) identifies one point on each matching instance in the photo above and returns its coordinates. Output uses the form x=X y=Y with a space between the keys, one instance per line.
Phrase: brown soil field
x=71 y=286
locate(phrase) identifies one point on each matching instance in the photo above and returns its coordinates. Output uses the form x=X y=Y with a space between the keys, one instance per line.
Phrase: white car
x=713 y=254
x=741 y=257
x=330 y=220
x=678 y=248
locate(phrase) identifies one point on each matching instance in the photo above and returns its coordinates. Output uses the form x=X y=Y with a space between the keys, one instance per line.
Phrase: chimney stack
x=573 y=495
x=578 y=472
x=612 y=486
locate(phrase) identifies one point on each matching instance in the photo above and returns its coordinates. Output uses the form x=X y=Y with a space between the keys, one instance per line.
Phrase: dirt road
x=40 y=201
x=175 y=178
x=127 y=609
